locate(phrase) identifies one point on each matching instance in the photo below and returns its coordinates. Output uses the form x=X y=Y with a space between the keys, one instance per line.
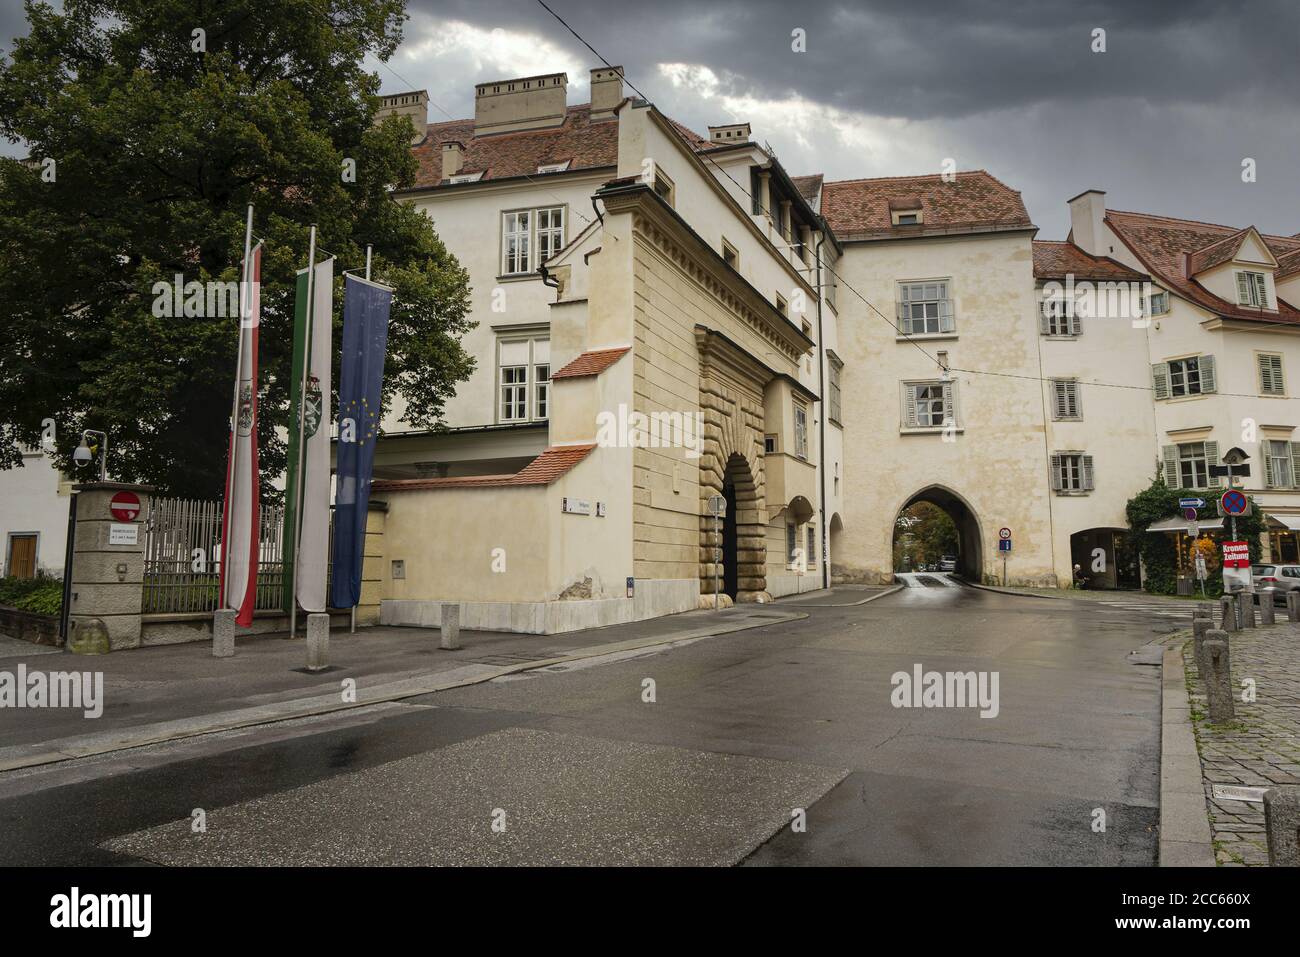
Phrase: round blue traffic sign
x=1233 y=503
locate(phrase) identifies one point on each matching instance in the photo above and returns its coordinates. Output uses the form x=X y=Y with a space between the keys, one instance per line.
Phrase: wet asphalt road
x=744 y=732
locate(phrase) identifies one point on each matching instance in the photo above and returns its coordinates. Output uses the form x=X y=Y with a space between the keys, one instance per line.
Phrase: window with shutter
x=1086 y=461
x=1170 y=455
x=1071 y=472
x=1270 y=374
x=1211 y=458
x=1066 y=399
x=1209 y=379
x=1278 y=471
x=1160 y=379
x=929 y=405
x=1295 y=460
x=924 y=308
x=1252 y=289
x=1193 y=464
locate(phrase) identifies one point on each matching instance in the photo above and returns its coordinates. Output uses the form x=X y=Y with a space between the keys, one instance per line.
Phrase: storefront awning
x=1180 y=524
x=1291 y=522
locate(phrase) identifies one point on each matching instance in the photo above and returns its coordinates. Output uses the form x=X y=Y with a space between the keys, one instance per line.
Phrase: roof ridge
x=1201 y=222
x=882 y=179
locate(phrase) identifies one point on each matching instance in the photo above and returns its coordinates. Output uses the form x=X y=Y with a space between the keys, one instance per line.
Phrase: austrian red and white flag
x=240 y=523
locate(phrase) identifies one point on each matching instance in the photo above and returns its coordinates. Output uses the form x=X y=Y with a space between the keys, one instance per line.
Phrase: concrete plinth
x=449 y=634
x=318 y=642
x=223 y=633
x=1267 y=613
x=1229 y=620
x=1282 y=825
x=1218 y=684
x=1293 y=605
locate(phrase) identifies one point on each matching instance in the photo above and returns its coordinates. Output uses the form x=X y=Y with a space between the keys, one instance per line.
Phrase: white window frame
x=911 y=405
x=1195 y=462
x=1165 y=377
x=1150 y=307
x=531 y=393
x=925 y=293
x=1072 y=472
x=1276 y=458
x=533 y=236
x=1252 y=289
x=1059 y=317
x=834 y=398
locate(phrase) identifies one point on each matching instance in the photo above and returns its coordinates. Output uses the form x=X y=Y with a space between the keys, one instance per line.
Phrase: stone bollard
x=1200 y=628
x=1293 y=606
x=318 y=642
x=1267 y=613
x=88 y=636
x=1228 y=606
x=449 y=635
x=1282 y=825
x=223 y=633
x=1204 y=609
x=1246 y=604
x=1218 y=684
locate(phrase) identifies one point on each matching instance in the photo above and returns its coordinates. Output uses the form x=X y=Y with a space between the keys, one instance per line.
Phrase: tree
x=924 y=533
x=151 y=125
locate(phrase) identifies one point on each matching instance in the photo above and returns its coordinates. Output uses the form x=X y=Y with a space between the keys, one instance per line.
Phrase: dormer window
x=908 y=219
x=465 y=178
x=906 y=211
x=554 y=167
x=1252 y=290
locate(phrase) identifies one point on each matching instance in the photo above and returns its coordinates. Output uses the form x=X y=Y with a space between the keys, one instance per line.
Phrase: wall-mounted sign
x=575 y=506
x=119 y=534
x=1004 y=532
x=631 y=587
x=600 y=509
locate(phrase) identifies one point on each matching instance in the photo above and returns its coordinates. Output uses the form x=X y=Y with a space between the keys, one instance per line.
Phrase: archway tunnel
x=937 y=530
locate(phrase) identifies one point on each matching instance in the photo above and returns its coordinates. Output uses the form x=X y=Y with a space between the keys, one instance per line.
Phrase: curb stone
x=1185 y=836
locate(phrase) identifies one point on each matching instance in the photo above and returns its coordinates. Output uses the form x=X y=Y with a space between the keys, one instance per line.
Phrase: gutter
x=821 y=442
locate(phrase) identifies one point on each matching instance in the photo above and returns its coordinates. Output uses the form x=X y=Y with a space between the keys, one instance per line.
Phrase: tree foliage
x=157 y=149
x=924 y=533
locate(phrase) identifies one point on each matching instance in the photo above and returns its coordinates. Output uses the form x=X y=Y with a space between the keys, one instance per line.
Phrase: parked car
x=948 y=563
x=1276 y=580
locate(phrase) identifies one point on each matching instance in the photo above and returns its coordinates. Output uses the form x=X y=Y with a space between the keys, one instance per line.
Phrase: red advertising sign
x=1236 y=555
x=125 y=506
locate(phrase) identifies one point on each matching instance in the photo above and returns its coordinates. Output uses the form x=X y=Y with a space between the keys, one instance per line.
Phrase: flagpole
x=302 y=414
x=245 y=303
x=369 y=248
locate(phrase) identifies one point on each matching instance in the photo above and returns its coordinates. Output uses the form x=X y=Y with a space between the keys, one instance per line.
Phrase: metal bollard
x=1228 y=606
x=1218 y=685
x=223 y=633
x=1200 y=628
x=449 y=635
x=1293 y=606
x=1282 y=825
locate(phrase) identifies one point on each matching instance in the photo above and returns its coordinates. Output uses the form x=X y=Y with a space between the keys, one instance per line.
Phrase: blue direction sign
x=1191 y=503
x=1004 y=544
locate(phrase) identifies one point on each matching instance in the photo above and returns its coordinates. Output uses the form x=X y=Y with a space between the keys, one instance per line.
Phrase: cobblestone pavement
x=1260 y=747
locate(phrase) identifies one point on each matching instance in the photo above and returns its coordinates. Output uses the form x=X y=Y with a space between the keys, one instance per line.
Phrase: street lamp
x=83 y=455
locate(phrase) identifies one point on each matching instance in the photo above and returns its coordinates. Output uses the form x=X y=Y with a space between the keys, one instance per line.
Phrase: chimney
x=528 y=103
x=414 y=104
x=453 y=156
x=731 y=133
x=1086 y=213
x=606 y=91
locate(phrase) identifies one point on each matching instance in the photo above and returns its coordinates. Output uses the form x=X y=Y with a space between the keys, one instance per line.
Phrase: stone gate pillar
x=108 y=561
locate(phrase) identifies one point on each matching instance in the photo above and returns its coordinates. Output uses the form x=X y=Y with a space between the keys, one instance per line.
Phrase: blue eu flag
x=365 y=342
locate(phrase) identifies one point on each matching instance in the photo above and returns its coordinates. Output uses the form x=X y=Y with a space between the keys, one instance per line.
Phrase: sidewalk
x=1261 y=747
x=1187 y=602
x=166 y=693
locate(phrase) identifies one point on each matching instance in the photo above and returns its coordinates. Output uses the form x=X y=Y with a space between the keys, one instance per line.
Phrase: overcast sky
x=1162 y=120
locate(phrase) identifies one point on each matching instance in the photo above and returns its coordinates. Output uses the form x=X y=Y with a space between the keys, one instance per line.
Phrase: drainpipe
x=821 y=444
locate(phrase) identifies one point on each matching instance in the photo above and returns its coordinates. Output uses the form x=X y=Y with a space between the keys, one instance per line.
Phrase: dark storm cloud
x=1162 y=120
x=925 y=60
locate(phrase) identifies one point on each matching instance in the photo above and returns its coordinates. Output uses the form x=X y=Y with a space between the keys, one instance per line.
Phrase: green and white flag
x=307 y=509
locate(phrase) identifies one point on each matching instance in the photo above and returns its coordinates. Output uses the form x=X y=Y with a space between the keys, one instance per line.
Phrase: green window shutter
x=947 y=322
x=1160 y=379
x=1209 y=381
x=1058 y=399
x=1212 y=458
x=1075 y=320
x=1295 y=463
x=1076 y=399
x=1056 y=472
x=909 y=406
x=1243 y=289
x=902 y=309
x=1261 y=289
x=1170 y=453
x=1044 y=327
x=1086 y=461
x=1265 y=374
x=1266 y=450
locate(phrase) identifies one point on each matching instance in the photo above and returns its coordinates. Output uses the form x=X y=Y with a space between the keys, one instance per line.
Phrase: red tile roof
x=543 y=470
x=859 y=208
x=1207 y=257
x=591 y=363
x=1056 y=260
x=1164 y=245
x=1288 y=264
x=583 y=143
x=808 y=187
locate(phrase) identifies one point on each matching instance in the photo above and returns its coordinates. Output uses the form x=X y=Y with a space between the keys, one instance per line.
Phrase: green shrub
x=41 y=595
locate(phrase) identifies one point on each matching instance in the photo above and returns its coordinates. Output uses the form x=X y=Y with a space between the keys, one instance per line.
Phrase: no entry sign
x=125 y=506
x=1233 y=503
